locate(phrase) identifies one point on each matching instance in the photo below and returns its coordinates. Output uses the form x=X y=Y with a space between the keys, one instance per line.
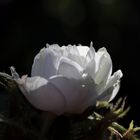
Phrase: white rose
x=69 y=79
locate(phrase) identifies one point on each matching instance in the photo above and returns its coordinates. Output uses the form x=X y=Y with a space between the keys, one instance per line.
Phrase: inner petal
x=90 y=54
x=45 y=63
x=69 y=68
x=72 y=53
x=104 y=67
x=83 y=50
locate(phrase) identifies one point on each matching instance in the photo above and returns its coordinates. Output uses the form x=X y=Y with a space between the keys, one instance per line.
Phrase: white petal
x=90 y=62
x=90 y=68
x=104 y=66
x=115 y=91
x=53 y=46
x=115 y=78
x=69 y=69
x=89 y=89
x=112 y=87
x=72 y=50
x=43 y=95
x=109 y=94
x=76 y=96
x=45 y=63
x=56 y=49
x=105 y=96
x=90 y=54
x=70 y=90
x=83 y=50
x=98 y=56
x=72 y=53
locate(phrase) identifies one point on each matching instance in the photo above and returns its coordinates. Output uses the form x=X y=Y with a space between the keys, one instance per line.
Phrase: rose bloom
x=69 y=79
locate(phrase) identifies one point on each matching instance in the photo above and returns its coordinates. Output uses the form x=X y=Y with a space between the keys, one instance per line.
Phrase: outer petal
x=115 y=78
x=112 y=87
x=69 y=69
x=45 y=63
x=42 y=94
x=110 y=93
x=71 y=89
x=105 y=96
x=115 y=91
x=79 y=95
x=104 y=66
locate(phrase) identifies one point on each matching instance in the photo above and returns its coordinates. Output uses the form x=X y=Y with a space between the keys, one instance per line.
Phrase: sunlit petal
x=43 y=95
x=45 y=63
x=69 y=69
x=104 y=66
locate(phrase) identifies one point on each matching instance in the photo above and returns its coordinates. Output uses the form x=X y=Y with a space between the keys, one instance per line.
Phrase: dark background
x=27 y=25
